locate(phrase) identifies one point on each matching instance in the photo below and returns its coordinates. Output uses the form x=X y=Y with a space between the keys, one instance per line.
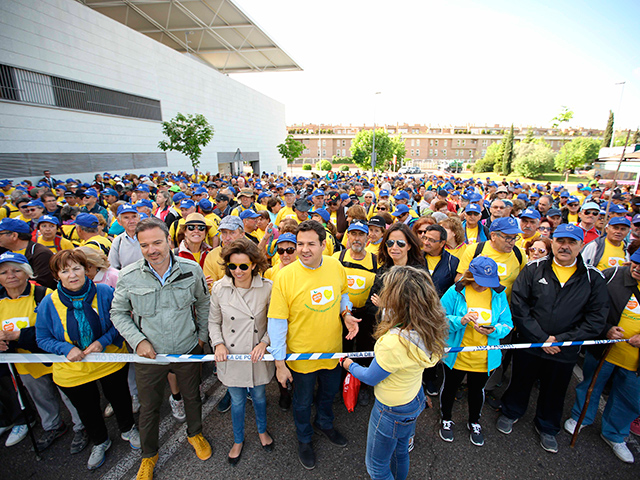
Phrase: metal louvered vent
x=25 y=86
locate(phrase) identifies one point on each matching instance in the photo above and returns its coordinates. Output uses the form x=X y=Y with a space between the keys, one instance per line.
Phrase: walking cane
x=23 y=406
x=588 y=397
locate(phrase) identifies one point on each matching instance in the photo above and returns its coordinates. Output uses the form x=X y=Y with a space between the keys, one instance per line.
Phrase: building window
x=324 y=143
x=324 y=153
x=431 y=142
x=484 y=152
x=445 y=142
x=464 y=142
x=417 y=153
x=458 y=143
x=444 y=152
x=470 y=153
x=344 y=143
x=411 y=152
x=436 y=143
x=457 y=153
x=413 y=142
x=318 y=152
x=430 y=152
x=417 y=142
x=435 y=152
x=484 y=143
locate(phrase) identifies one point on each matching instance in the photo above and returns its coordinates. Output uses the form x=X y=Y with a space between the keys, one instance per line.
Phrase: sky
x=445 y=62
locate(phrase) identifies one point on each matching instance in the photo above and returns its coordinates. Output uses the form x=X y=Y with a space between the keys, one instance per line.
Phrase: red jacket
x=590 y=235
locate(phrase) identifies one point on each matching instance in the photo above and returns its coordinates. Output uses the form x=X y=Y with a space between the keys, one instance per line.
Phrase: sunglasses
x=201 y=228
x=545 y=229
x=380 y=209
x=592 y=213
x=243 y=266
x=573 y=204
x=538 y=250
x=289 y=250
x=391 y=243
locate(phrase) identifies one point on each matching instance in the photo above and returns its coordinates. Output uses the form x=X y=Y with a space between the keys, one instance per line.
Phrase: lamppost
x=373 y=150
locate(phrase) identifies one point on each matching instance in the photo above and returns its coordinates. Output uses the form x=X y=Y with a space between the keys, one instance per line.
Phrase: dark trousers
x=303 y=386
x=151 y=381
x=452 y=380
x=554 y=379
x=86 y=399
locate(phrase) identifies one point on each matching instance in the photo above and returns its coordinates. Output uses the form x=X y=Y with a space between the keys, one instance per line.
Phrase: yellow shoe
x=201 y=446
x=146 y=468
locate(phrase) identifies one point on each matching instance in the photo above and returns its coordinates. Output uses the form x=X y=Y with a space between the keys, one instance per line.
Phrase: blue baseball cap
x=145 y=202
x=473 y=207
x=554 y=212
x=318 y=193
x=187 y=203
x=475 y=197
x=91 y=193
x=87 y=220
x=635 y=258
x=14 y=225
x=287 y=237
x=35 y=203
x=143 y=188
x=326 y=216
x=568 y=230
x=48 y=219
x=620 y=221
x=126 y=208
x=564 y=194
x=531 y=213
x=402 y=195
x=344 y=196
x=485 y=272
x=109 y=191
x=508 y=225
x=61 y=187
x=358 y=225
x=400 y=210
x=248 y=214
x=523 y=197
x=179 y=196
x=590 y=206
x=201 y=191
x=13 y=258
x=289 y=191
x=383 y=193
x=205 y=204
x=573 y=199
x=263 y=195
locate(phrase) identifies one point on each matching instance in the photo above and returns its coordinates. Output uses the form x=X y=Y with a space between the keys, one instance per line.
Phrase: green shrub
x=325 y=165
x=306 y=166
x=532 y=160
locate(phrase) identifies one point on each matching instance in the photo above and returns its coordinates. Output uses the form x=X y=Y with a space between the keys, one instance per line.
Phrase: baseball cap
x=302 y=205
x=231 y=222
x=179 y=196
x=143 y=188
x=248 y=214
x=90 y=192
x=485 y=272
x=201 y=191
x=144 y=202
x=48 y=219
x=35 y=203
x=568 y=230
x=573 y=199
x=400 y=210
x=287 y=237
x=14 y=225
x=523 y=197
x=636 y=219
x=326 y=216
x=221 y=197
x=590 y=206
x=126 y=208
x=473 y=207
x=290 y=191
x=246 y=192
x=358 y=225
x=564 y=194
x=507 y=225
x=635 y=258
x=205 y=204
x=318 y=193
x=13 y=258
x=383 y=193
x=620 y=221
x=263 y=195
x=187 y=203
x=87 y=220
x=554 y=212
x=530 y=213
x=378 y=221
x=475 y=197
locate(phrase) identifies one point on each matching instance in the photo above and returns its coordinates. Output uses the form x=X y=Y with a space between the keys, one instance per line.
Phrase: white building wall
x=67 y=39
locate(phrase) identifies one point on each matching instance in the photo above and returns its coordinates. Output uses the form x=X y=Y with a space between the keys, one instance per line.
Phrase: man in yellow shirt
x=287 y=210
x=310 y=296
x=529 y=223
x=609 y=251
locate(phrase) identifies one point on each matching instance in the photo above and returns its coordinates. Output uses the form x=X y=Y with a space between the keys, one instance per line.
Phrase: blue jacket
x=444 y=274
x=483 y=232
x=455 y=305
x=50 y=331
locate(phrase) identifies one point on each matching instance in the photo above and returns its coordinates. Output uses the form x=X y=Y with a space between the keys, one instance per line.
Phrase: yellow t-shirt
x=622 y=354
x=212 y=265
x=310 y=301
x=359 y=281
x=64 y=244
x=71 y=233
x=479 y=302
x=405 y=367
x=521 y=241
x=432 y=262
x=17 y=314
x=472 y=234
x=612 y=256
x=573 y=218
x=508 y=266
x=285 y=212
x=371 y=248
x=93 y=241
x=563 y=273
x=457 y=252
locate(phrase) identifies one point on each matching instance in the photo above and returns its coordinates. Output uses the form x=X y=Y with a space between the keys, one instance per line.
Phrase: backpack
x=104 y=248
x=480 y=247
x=374 y=262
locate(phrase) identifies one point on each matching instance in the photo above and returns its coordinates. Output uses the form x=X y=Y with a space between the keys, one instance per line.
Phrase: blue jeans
x=390 y=429
x=238 y=403
x=329 y=383
x=623 y=405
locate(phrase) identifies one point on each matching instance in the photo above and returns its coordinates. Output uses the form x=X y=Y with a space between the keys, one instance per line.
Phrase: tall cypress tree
x=608 y=133
x=508 y=153
x=636 y=137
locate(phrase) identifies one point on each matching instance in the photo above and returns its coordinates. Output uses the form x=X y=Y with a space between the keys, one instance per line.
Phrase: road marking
x=133 y=457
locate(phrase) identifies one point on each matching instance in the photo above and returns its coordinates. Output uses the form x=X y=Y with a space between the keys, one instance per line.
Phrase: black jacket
x=444 y=275
x=620 y=286
x=541 y=307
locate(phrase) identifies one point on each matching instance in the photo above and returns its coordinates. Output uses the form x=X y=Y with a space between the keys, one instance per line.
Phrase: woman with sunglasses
x=538 y=248
x=545 y=228
x=191 y=237
x=286 y=249
x=238 y=324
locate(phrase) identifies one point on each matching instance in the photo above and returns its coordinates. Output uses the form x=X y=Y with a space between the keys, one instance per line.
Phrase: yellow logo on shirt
x=484 y=315
x=321 y=295
x=615 y=261
x=356 y=282
x=502 y=269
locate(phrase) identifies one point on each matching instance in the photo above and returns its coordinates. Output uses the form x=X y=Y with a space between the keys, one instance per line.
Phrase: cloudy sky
x=444 y=62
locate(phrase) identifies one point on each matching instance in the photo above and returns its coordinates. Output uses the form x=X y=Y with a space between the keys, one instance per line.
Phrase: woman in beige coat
x=238 y=324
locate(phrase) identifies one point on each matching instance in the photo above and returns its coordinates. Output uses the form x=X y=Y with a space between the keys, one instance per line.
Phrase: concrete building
x=427 y=146
x=85 y=85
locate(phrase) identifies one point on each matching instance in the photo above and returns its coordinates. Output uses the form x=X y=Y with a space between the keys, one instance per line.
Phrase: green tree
x=291 y=149
x=608 y=133
x=529 y=138
x=325 y=165
x=577 y=153
x=636 y=137
x=486 y=164
x=507 y=158
x=386 y=148
x=564 y=116
x=187 y=135
x=532 y=159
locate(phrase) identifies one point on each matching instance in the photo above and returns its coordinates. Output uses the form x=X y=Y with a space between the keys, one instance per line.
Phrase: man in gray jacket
x=161 y=305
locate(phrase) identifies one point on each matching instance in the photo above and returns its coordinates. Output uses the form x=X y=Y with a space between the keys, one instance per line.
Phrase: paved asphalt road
x=516 y=456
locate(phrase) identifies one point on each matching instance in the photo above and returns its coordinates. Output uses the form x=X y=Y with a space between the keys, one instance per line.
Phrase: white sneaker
x=108 y=411
x=18 y=433
x=98 y=452
x=135 y=404
x=133 y=437
x=177 y=409
x=620 y=449
x=570 y=426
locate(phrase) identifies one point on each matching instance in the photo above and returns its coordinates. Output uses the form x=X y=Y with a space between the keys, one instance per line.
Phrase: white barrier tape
x=170 y=358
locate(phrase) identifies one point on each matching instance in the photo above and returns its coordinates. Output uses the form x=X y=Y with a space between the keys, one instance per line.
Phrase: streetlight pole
x=613 y=133
x=373 y=150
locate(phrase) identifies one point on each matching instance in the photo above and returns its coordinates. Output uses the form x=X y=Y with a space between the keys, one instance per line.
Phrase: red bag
x=350 y=391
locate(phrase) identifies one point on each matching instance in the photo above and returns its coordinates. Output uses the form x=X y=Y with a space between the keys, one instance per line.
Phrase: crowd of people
x=177 y=263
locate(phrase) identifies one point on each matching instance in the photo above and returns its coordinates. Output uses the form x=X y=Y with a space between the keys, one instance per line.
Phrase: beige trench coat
x=240 y=323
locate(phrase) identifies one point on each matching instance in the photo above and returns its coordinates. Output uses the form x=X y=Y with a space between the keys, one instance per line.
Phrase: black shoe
x=306 y=455
x=50 y=436
x=285 y=401
x=224 y=405
x=493 y=401
x=79 y=442
x=234 y=460
x=269 y=447
x=333 y=435
x=430 y=388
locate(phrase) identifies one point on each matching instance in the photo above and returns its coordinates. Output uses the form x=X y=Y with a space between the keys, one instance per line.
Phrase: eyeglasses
x=243 y=266
x=592 y=213
x=544 y=229
x=201 y=228
x=537 y=250
x=508 y=239
x=432 y=240
x=289 y=250
x=31 y=210
x=391 y=243
x=573 y=204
